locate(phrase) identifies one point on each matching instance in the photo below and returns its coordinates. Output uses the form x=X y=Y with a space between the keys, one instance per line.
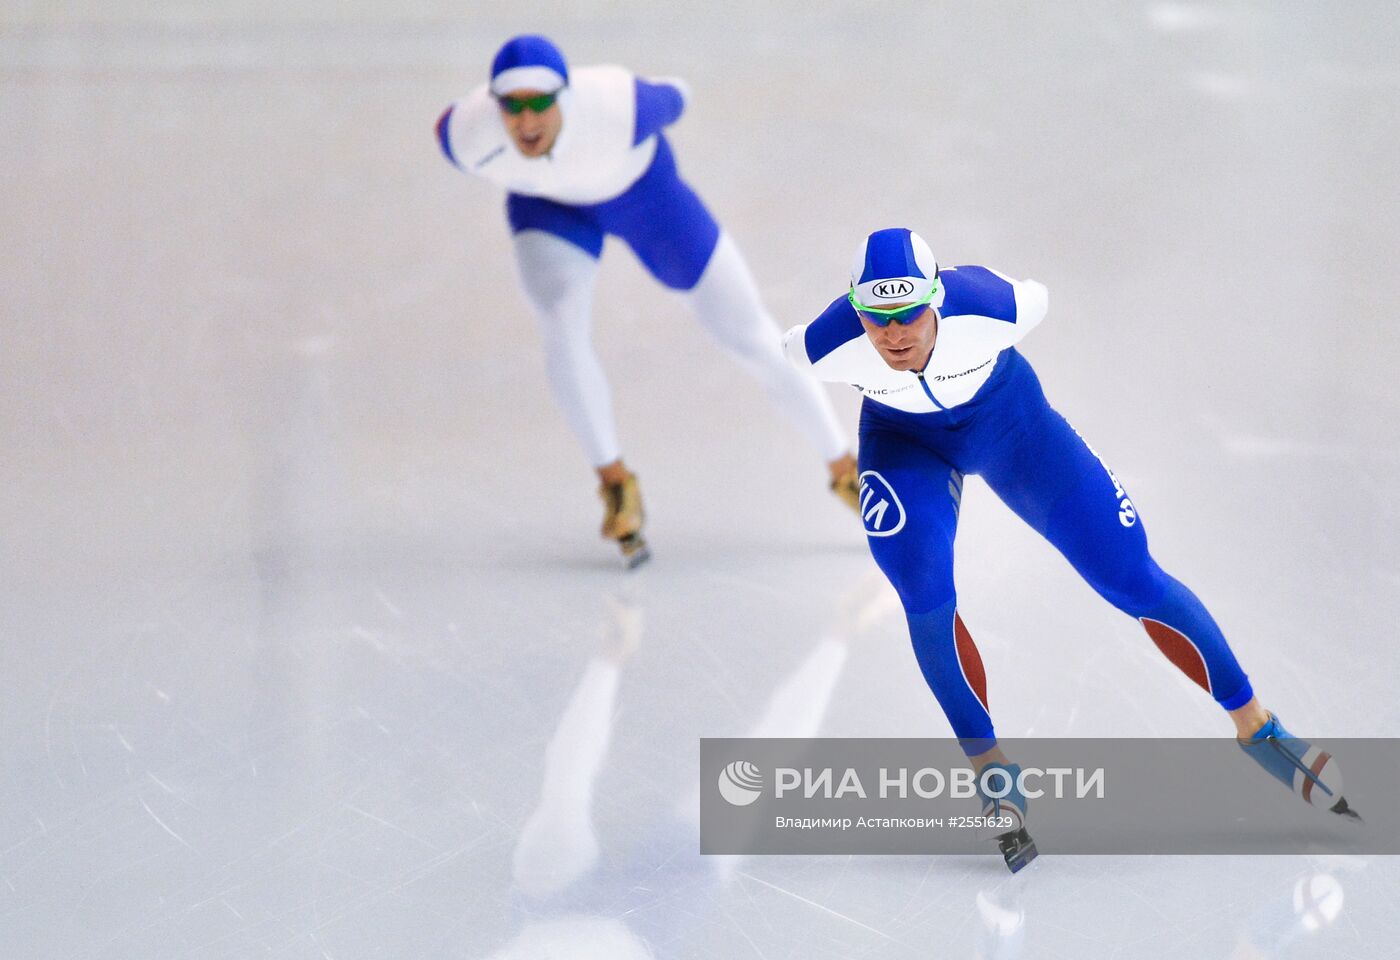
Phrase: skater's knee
x=921 y=598
x=921 y=592
x=565 y=329
x=743 y=331
x=923 y=579
x=747 y=347
x=558 y=291
x=1131 y=587
x=557 y=301
x=1117 y=565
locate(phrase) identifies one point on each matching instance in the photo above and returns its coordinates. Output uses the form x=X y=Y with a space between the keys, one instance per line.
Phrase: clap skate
x=622 y=519
x=1017 y=847
x=1307 y=771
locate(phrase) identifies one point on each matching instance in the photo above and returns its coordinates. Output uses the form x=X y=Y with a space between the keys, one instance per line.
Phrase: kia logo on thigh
x=892 y=289
x=880 y=509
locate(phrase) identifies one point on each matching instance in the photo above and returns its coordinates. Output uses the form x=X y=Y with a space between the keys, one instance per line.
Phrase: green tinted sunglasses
x=881 y=316
x=518 y=105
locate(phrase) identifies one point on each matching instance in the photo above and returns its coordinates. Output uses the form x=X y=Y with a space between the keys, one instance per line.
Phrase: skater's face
x=905 y=346
x=533 y=126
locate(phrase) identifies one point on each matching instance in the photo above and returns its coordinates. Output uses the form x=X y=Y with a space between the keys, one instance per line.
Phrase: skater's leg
x=909 y=504
x=727 y=303
x=1055 y=481
x=557 y=274
x=1050 y=477
x=556 y=250
x=676 y=238
x=1249 y=719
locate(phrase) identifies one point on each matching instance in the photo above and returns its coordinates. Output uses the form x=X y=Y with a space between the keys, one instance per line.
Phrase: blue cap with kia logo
x=895 y=266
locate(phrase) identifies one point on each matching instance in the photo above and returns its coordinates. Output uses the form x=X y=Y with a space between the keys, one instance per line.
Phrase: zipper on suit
x=927 y=392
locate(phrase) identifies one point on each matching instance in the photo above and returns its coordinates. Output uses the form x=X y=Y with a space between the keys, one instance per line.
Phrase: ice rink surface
x=308 y=645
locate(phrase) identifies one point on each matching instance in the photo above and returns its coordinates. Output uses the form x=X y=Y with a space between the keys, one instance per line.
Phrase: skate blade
x=635 y=551
x=1342 y=808
x=1017 y=849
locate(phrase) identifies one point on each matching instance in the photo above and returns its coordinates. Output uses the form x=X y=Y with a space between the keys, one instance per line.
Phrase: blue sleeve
x=658 y=105
x=837 y=325
x=443 y=141
x=976 y=290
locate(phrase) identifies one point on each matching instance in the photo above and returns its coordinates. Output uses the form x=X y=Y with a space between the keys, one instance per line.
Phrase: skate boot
x=622 y=519
x=846 y=483
x=1017 y=847
x=1298 y=765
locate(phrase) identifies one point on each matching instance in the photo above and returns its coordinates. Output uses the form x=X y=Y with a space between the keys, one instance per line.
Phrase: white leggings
x=558 y=281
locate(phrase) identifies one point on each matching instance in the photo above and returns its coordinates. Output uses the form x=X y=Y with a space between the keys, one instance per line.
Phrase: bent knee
x=1130 y=587
x=923 y=579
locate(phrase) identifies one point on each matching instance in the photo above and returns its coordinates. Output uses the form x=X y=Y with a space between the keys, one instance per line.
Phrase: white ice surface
x=308 y=648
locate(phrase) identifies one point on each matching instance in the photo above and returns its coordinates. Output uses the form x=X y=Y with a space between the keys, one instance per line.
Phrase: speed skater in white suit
x=581 y=154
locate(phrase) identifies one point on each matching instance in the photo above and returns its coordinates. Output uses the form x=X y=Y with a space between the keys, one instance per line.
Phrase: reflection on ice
x=575 y=938
x=558 y=844
x=1313 y=903
x=1003 y=920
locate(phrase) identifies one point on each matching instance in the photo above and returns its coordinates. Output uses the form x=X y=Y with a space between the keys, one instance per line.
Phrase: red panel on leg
x=970 y=660
x=1179 y=650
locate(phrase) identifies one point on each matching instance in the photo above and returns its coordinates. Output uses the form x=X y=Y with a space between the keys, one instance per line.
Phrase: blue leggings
x=662 y=219
x=912 y=468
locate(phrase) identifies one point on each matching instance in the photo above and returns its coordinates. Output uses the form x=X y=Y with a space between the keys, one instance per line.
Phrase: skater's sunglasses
x=518 y=105
x=882 y=316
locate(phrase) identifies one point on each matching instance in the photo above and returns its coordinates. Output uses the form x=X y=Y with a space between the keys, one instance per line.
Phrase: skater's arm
x=444 y=135
x=660 y=103
x=1015 y=306
x=470 y=133
x=816 y=346
x=794 y=347
x=1032 y=302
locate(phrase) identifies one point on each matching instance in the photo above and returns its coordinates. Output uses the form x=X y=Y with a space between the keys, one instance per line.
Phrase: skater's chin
x=901 y=358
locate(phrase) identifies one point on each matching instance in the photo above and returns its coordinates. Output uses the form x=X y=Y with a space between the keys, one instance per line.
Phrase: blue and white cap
x=895 y=266
x=528 y=62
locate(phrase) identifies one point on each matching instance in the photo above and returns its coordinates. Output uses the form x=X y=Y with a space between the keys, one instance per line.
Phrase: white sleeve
x=795 y=347
x=475 y=133
x=1032 y=301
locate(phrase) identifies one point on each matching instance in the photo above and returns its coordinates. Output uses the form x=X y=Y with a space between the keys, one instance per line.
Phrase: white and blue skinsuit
x=977 y=408
x=611 y=171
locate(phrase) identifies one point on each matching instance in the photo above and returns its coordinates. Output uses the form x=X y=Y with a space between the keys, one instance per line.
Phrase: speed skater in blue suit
x=946 y=395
